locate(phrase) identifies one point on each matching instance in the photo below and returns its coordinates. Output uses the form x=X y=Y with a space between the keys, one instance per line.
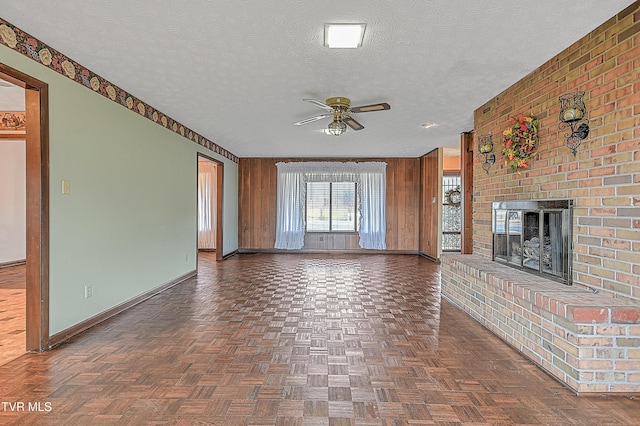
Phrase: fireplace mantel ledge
x=573 y=303
x=591 y=342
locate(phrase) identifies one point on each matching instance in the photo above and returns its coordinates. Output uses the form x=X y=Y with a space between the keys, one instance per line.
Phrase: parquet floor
x=12 y=313
x=289 y=339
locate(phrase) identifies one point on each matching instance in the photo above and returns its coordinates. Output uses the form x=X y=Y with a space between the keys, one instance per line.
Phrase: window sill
x=332 y=232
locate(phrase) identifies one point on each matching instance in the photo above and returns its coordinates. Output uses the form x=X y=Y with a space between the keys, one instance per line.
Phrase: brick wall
x=603 y=178
x=588 y=341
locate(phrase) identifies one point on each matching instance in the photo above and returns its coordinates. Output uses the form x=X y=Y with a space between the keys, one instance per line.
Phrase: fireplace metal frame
x=504 y=230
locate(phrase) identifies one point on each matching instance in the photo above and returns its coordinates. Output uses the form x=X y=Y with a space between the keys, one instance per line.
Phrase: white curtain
x=372 y=196
x=290 y=209
x=292 y=179
x=207 y=187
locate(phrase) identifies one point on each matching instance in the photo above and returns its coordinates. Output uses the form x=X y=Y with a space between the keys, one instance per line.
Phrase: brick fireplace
x=587 y=334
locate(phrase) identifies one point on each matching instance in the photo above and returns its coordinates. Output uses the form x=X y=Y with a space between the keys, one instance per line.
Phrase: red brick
x=629 y=100
x=587 y=314
x=603 y=171
x=629 y=315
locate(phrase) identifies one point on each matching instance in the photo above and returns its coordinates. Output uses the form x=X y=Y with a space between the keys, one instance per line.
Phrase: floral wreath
x=520 y=140
x=453 y=196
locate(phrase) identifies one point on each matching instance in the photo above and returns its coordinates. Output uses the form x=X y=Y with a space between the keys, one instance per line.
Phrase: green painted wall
x=129 y=222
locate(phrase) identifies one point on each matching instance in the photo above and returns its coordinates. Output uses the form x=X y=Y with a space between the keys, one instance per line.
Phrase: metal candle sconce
x=485 y=146
x=573 y=115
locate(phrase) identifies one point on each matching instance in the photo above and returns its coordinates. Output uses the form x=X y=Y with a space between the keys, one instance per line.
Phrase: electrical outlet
x=88 y=291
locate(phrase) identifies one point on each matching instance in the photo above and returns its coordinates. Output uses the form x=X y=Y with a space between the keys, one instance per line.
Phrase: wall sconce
x=485 y=146
x=573 y=115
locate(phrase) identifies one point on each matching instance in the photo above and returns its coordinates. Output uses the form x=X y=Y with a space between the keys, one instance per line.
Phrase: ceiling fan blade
x=319 y=104
x=312 y=119
x=349 y=121
x=375 y=107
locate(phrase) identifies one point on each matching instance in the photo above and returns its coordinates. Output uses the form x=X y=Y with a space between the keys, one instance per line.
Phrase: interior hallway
x=289 y=339
x=12 y=313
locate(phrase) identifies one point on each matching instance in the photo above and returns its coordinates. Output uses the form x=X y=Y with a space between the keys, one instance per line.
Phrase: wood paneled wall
x=257 y=203
x=430 y=204
x=403 y=203
x=257 y=206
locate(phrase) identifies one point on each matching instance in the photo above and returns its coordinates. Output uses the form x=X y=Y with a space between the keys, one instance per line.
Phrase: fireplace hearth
x=534 y=236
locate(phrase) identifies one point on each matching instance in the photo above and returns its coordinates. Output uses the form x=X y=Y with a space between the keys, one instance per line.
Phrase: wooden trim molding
x=427 y=256
x=219 y=211
x=219 y=203
x=65 y=335
x=466 y=161
x=13 y=263
x=230 y=254
x=320 y=251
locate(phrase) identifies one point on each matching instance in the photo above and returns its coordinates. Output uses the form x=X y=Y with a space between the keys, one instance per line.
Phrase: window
x=331 y=207
x=368 y=181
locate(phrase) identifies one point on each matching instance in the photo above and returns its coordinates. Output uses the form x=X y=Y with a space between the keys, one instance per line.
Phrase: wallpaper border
x=22 y=42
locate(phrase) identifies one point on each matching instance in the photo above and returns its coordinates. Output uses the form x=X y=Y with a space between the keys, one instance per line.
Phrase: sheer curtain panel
x=372 y=196
x=290 y=209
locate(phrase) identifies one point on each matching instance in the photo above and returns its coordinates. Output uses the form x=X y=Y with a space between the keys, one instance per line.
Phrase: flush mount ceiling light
x=430 y=125
x=343 y=36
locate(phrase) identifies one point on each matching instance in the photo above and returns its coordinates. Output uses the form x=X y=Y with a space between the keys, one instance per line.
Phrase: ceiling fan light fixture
x=336 y=128
x=343 y=36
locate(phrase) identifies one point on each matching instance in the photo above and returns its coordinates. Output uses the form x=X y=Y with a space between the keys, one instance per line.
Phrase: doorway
x=37 y=207
x=12 y=222
x=210 y=186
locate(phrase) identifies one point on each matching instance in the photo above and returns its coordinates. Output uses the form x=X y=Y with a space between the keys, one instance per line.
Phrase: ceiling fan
x=340 y=109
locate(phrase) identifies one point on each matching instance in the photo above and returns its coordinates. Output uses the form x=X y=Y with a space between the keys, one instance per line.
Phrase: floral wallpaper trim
x=12 y=120
x=16 y=39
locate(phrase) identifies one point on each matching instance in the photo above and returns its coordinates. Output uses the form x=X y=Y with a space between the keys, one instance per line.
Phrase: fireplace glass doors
x=534 y=236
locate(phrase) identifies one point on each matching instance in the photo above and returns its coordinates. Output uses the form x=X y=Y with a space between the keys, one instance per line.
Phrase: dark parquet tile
x=278 y=339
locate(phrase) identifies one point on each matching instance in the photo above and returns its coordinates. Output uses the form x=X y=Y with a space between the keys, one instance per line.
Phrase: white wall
x=128 y=224
x=12 y=200
x=11 y=97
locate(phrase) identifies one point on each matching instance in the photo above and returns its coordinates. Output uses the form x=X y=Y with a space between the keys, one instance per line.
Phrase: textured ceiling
x=236 y=71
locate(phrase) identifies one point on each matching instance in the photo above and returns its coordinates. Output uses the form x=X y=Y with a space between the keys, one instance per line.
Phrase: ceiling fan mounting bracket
x=339 y=103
